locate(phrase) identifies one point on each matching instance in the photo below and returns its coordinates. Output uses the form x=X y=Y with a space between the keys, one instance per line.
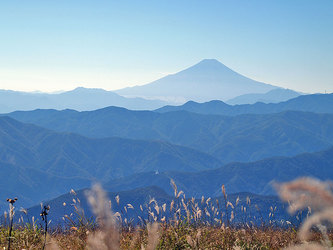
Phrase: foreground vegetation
x=157 y=236
x=161 y=237
x=184 y=230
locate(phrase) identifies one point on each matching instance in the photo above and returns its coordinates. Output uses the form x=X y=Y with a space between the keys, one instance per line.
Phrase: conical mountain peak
x=209 y=65
x=207 y=80
x=209 y=61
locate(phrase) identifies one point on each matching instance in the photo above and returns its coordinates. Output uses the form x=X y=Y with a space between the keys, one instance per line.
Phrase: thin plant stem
x=11 y=215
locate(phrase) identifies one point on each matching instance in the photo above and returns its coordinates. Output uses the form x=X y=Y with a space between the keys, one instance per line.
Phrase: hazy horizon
x=111 y=45
x=58 y=91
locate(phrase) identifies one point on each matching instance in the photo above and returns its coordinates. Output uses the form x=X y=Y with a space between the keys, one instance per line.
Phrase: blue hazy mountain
x=273 y=96
x=78 y=99
x=34 y=159
x=255 y=177
x=229 y=138
x=318 y=103
x=205 y=81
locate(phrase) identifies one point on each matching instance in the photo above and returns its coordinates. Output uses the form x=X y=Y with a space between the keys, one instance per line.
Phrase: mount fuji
x=205 y=81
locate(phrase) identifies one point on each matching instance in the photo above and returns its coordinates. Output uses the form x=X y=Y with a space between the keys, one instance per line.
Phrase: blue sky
x=59 y=45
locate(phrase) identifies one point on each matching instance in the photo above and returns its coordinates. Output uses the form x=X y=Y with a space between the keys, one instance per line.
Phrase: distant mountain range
x=39 y=164
x=34 y=159
x=46 y=152
x=239 y=138
x=255 y=177
x=78 y=99
x=273 y=96
x=205 y=81
x=318 y=103
x=36 y=162
x=208 y=80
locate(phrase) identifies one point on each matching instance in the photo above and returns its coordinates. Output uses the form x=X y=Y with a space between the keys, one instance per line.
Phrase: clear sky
x=59 y=45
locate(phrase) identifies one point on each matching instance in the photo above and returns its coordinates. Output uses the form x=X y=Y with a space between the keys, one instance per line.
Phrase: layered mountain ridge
x=79 y=99
x=247 y=137
x=255 y=177
x=46 y=152
x=318 y=103
x=31 y=157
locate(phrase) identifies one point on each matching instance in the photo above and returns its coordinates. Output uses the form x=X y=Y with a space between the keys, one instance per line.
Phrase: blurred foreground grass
x=168 y=237
x=185 y=229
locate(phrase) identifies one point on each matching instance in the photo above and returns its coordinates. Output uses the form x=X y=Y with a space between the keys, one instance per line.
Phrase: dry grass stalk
x=107 y=236
x=153 y=236
x=316 y=195
x=174 y=186
x=51 y=244
x=307 y=246
x=194 y=243
x=306 y=192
